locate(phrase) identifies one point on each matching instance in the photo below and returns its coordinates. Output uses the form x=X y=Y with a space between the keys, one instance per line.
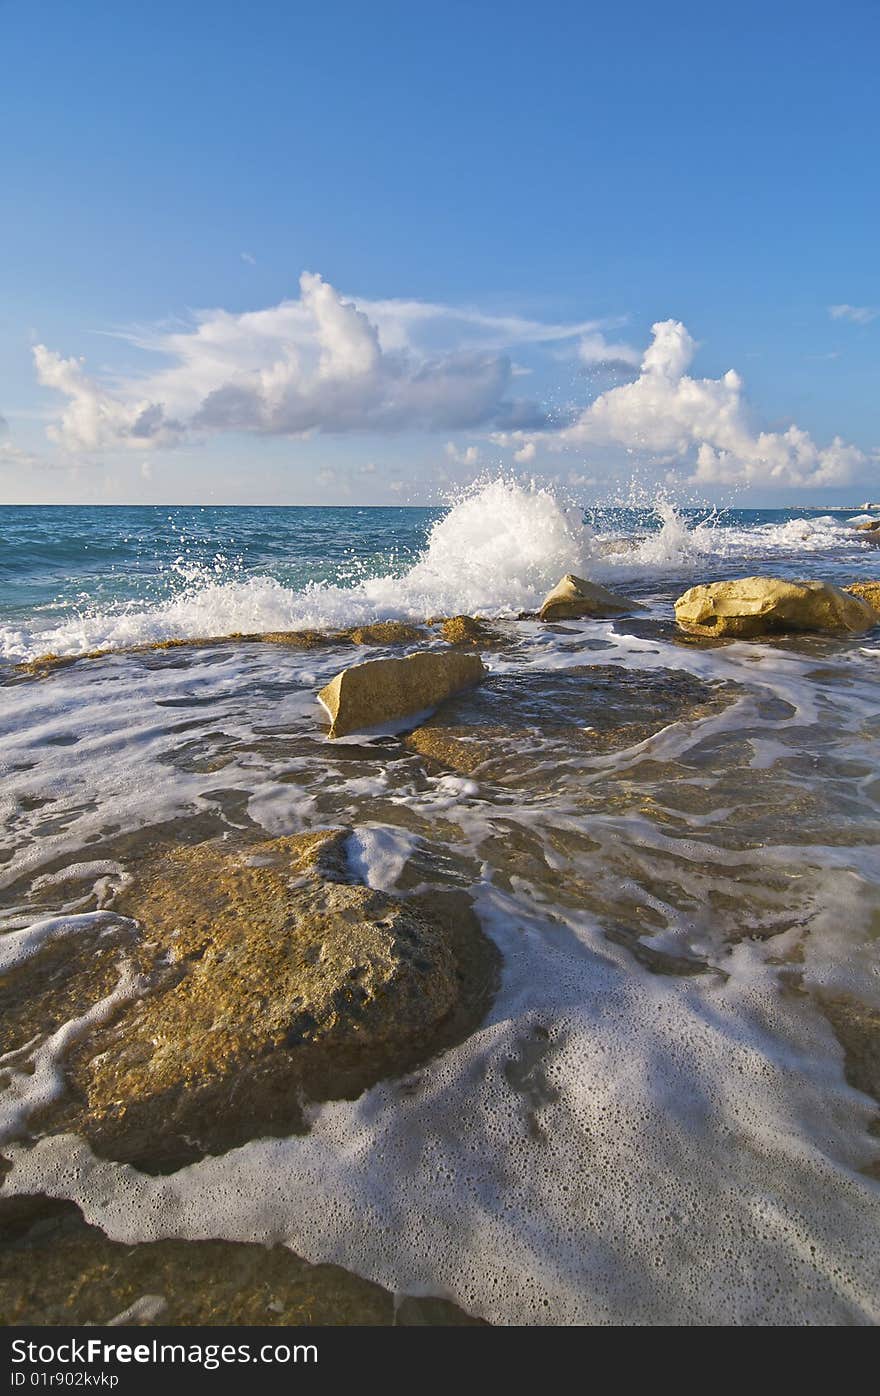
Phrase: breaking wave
x=496 y=552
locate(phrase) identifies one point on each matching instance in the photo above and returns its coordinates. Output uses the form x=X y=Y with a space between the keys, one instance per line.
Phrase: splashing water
x=496 y=551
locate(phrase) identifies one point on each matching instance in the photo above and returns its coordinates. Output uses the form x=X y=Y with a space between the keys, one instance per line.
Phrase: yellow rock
x=574 y=597
x=869 y=526
x=265 y=978
x=367 y=695
x=868 y=591
x=764 y=605
x=467 y=630
x=383 y=632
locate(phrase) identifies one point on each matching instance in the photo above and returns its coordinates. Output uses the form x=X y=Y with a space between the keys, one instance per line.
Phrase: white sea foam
x=18 y=946
x=612 y=1146
x=496 y=552
x=42 y=1080
x=378 y=854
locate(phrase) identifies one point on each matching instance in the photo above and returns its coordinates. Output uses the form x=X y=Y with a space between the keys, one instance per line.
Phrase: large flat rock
x=517 y=728
x=266 y=977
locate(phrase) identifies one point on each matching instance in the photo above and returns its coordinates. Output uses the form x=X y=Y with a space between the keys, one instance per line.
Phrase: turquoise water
x=59 y=556
x=61 y=564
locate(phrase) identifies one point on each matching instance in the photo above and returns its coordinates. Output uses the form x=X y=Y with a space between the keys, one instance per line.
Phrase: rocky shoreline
x=247 y=979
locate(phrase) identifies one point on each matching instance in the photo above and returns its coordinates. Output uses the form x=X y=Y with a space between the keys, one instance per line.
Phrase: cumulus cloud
x=323 y=363
x=668 y=416
x=319 y=363
x=858 y=314
x=96 y=417
x=594 y=351
x=469 y=455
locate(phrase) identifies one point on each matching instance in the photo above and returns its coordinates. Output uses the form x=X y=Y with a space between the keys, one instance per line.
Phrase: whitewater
x=118 y=578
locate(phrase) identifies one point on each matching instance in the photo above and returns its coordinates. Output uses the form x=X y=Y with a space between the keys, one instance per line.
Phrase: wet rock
x=869 y=526
x=513 y=728
x=296 y=639
x=56 y=1269
x=574 y=597
x=384 y=632
x=382 y=690
x=857 y=1028
x=467 y=630
x=266 y=979
x=753 y=606
x=868 y=591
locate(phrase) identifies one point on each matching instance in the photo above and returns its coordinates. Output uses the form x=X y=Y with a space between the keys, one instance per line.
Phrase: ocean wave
x=496 y=552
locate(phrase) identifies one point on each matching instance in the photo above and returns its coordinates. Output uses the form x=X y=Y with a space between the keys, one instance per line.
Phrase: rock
x=266 y=980
x=515 y=731
x=868 y=591
x=296 y=639
x=869 y=526
x=575 y=597
x=384 y=632
x=766 y=605
x=59 y=1270
x=467 y=630
x=367 y=695
x=857 y=1028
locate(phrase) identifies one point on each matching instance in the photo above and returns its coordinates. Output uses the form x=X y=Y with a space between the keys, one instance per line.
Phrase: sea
x=668 y=1114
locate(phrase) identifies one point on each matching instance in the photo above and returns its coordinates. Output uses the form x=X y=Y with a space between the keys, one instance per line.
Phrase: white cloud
x=703 y=423
x=16 y=458
x=469 y=456
x=249 y=258
x=595 y=352
x=319 y=363
x=95 y=417
x=858 y=314
x=322 y=363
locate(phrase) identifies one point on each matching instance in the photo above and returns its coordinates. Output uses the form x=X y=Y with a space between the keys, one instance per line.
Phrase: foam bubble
x=18 y=946
x=378 y=854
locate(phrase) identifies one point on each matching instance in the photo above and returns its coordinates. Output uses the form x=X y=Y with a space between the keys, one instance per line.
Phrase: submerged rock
x=575 y=597
x=56 y=1269
x=514 y=728
x=265 y=980
x=766 y=605
x=467 y=630
x=382 y=690
x=868 y=591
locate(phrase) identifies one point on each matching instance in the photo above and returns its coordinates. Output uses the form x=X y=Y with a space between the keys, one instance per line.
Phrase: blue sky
x=500 y=201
